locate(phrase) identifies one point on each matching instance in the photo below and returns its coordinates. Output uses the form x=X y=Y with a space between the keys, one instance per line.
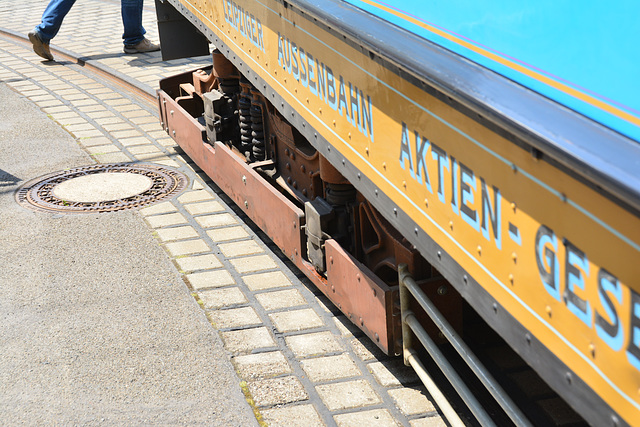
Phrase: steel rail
x=147 y=95
x=411 y=325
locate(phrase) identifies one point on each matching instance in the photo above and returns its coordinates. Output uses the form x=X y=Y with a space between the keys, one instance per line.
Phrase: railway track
x=537 y=401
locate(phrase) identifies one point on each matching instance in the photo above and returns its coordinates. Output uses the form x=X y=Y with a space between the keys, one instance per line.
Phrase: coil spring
x=257 y=131
x=229 y=86
x=244 y=109
x=340 y=194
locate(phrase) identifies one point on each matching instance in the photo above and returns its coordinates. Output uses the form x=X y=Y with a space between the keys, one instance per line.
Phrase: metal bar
x=440 y=400
x=447 y=369
x=411 y=326
x=463 y=350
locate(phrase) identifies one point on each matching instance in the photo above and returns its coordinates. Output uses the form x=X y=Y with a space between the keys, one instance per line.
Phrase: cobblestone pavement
x=298 y=359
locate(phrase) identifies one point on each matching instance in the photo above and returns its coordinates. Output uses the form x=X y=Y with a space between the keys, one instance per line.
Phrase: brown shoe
x=40 y=46
x=142 y=47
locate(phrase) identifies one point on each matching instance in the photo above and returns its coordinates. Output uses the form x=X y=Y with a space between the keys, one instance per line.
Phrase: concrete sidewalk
x=97 y=325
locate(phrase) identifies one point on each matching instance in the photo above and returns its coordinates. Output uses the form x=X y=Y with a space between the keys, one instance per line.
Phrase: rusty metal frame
x=363 y=297
x=277 y=216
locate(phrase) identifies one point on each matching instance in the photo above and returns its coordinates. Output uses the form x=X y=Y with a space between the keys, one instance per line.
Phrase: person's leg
x=49 y=26
x=132 y=21
x=134 y=40
x=52 y=18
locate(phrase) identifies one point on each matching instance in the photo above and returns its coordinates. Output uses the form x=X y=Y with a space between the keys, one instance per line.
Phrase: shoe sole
x=131 y=50
x=38 y=49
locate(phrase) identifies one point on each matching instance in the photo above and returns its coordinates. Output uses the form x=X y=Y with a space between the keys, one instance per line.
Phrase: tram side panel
x=543 y=255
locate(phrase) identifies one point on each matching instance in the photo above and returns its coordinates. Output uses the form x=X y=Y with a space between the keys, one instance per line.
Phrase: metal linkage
x=411 y=327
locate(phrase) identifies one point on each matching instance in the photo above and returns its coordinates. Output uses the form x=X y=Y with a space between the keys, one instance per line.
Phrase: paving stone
x=166 y=220
x=81 y=103
x=347 y=395
x=112 y=127
x=277 y=391
x=204 y=207
x=48 y=103
x=374 y=418
x=412 y=401
x=176 y=233
x=241 y=248
x=116 y=101
x=150 y=127
x=253 y=263
x=112 y=157
x=156 y=157
x=235 y=317
x=393 y=373
x=195 y=196
x=227 y=233
x=136 y=113
x=313 y=344
x=143 y=119
x=270 y=280
x=210 y=279
x=169 y=163
x=346 y=326
x=280 y=299
x=247 y=340
x=218 y=298
x=435 y=421
x=102 y=149
x=92 y=142
x=365 y=349
x=327 y=306
x=261 y=365
x=187 y=247
x=71 y=119
x=109 y=120
x=144 y=149
x=330 y=368
x=162 y=139
x=159 y=208
x=296 y=320
x=43 y=99
x=299 y=415
x=216 y=220
x=96 y=113
x=137 y=140
x=126 y=107
x=64 y=116
x=183 y=158
x=198 y=262
x=57 y=110
x=130 y=133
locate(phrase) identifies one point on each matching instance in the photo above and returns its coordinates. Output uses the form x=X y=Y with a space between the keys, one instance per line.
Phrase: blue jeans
x=56 y=10
x=132 y=20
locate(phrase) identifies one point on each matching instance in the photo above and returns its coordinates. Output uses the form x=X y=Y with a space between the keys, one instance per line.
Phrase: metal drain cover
x=101 y=188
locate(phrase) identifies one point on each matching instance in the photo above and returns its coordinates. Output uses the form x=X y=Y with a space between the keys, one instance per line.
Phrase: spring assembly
x=340 y=197
x=228 y=126
x=244 y=110
x=340 y=194
x=229 y=86
x=257 y=129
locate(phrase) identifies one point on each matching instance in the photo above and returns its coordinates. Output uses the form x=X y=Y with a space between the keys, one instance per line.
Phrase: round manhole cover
x=102 y=188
